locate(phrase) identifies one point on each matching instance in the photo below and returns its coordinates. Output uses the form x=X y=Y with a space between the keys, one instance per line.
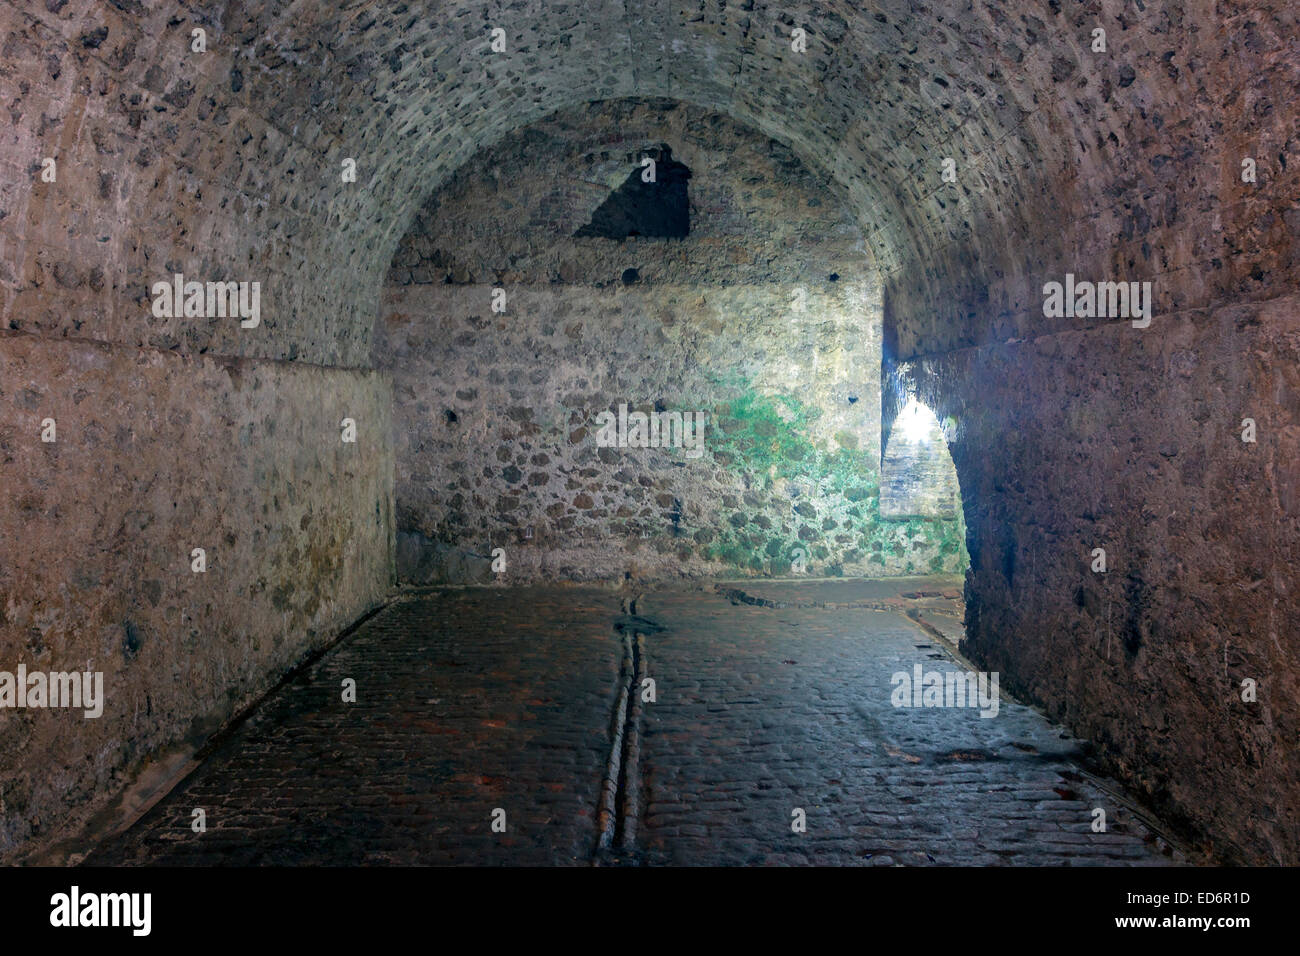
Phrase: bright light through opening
x=915 y=422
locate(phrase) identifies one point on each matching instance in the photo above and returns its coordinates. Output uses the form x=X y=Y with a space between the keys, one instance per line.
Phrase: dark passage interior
x=684 y=432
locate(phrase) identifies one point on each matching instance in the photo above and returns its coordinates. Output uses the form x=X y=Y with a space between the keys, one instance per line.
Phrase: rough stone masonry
x=764 y=321
x=981 y=150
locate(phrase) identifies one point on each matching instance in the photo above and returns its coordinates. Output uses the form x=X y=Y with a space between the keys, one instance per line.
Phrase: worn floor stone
x=466 y=702
x=473 y=700
x=763 y=710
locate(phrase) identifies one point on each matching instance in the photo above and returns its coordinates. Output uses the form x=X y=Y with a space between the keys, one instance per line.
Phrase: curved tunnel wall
x=1122 y=164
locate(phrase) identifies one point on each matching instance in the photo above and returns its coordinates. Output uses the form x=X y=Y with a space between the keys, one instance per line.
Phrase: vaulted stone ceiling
x=1064 y=157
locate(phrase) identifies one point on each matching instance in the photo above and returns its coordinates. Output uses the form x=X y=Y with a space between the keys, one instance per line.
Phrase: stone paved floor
x=470 y=701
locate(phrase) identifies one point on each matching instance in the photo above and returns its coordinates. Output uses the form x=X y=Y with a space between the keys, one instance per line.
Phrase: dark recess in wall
x=657 y=209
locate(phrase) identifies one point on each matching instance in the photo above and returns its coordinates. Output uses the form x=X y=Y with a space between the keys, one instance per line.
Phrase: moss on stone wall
x=773 y=441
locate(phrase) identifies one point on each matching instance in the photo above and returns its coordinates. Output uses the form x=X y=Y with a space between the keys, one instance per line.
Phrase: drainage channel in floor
x=620 y=798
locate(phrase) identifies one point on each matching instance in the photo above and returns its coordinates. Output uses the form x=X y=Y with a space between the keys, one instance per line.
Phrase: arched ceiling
x=225 y=164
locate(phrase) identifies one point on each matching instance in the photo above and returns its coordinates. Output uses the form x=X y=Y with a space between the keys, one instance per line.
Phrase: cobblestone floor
x=770 y=697
x=467 y=701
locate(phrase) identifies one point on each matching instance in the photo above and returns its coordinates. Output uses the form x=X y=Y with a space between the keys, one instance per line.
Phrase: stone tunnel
x=399 y=386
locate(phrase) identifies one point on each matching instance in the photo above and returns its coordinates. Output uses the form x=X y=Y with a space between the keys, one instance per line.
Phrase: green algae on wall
x=774 y=441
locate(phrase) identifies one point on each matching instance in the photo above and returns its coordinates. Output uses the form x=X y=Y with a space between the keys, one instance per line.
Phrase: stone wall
x=766 y=318
x=1172 y=159
x=1130 y=440
x=156 y=454
x=171 y=433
